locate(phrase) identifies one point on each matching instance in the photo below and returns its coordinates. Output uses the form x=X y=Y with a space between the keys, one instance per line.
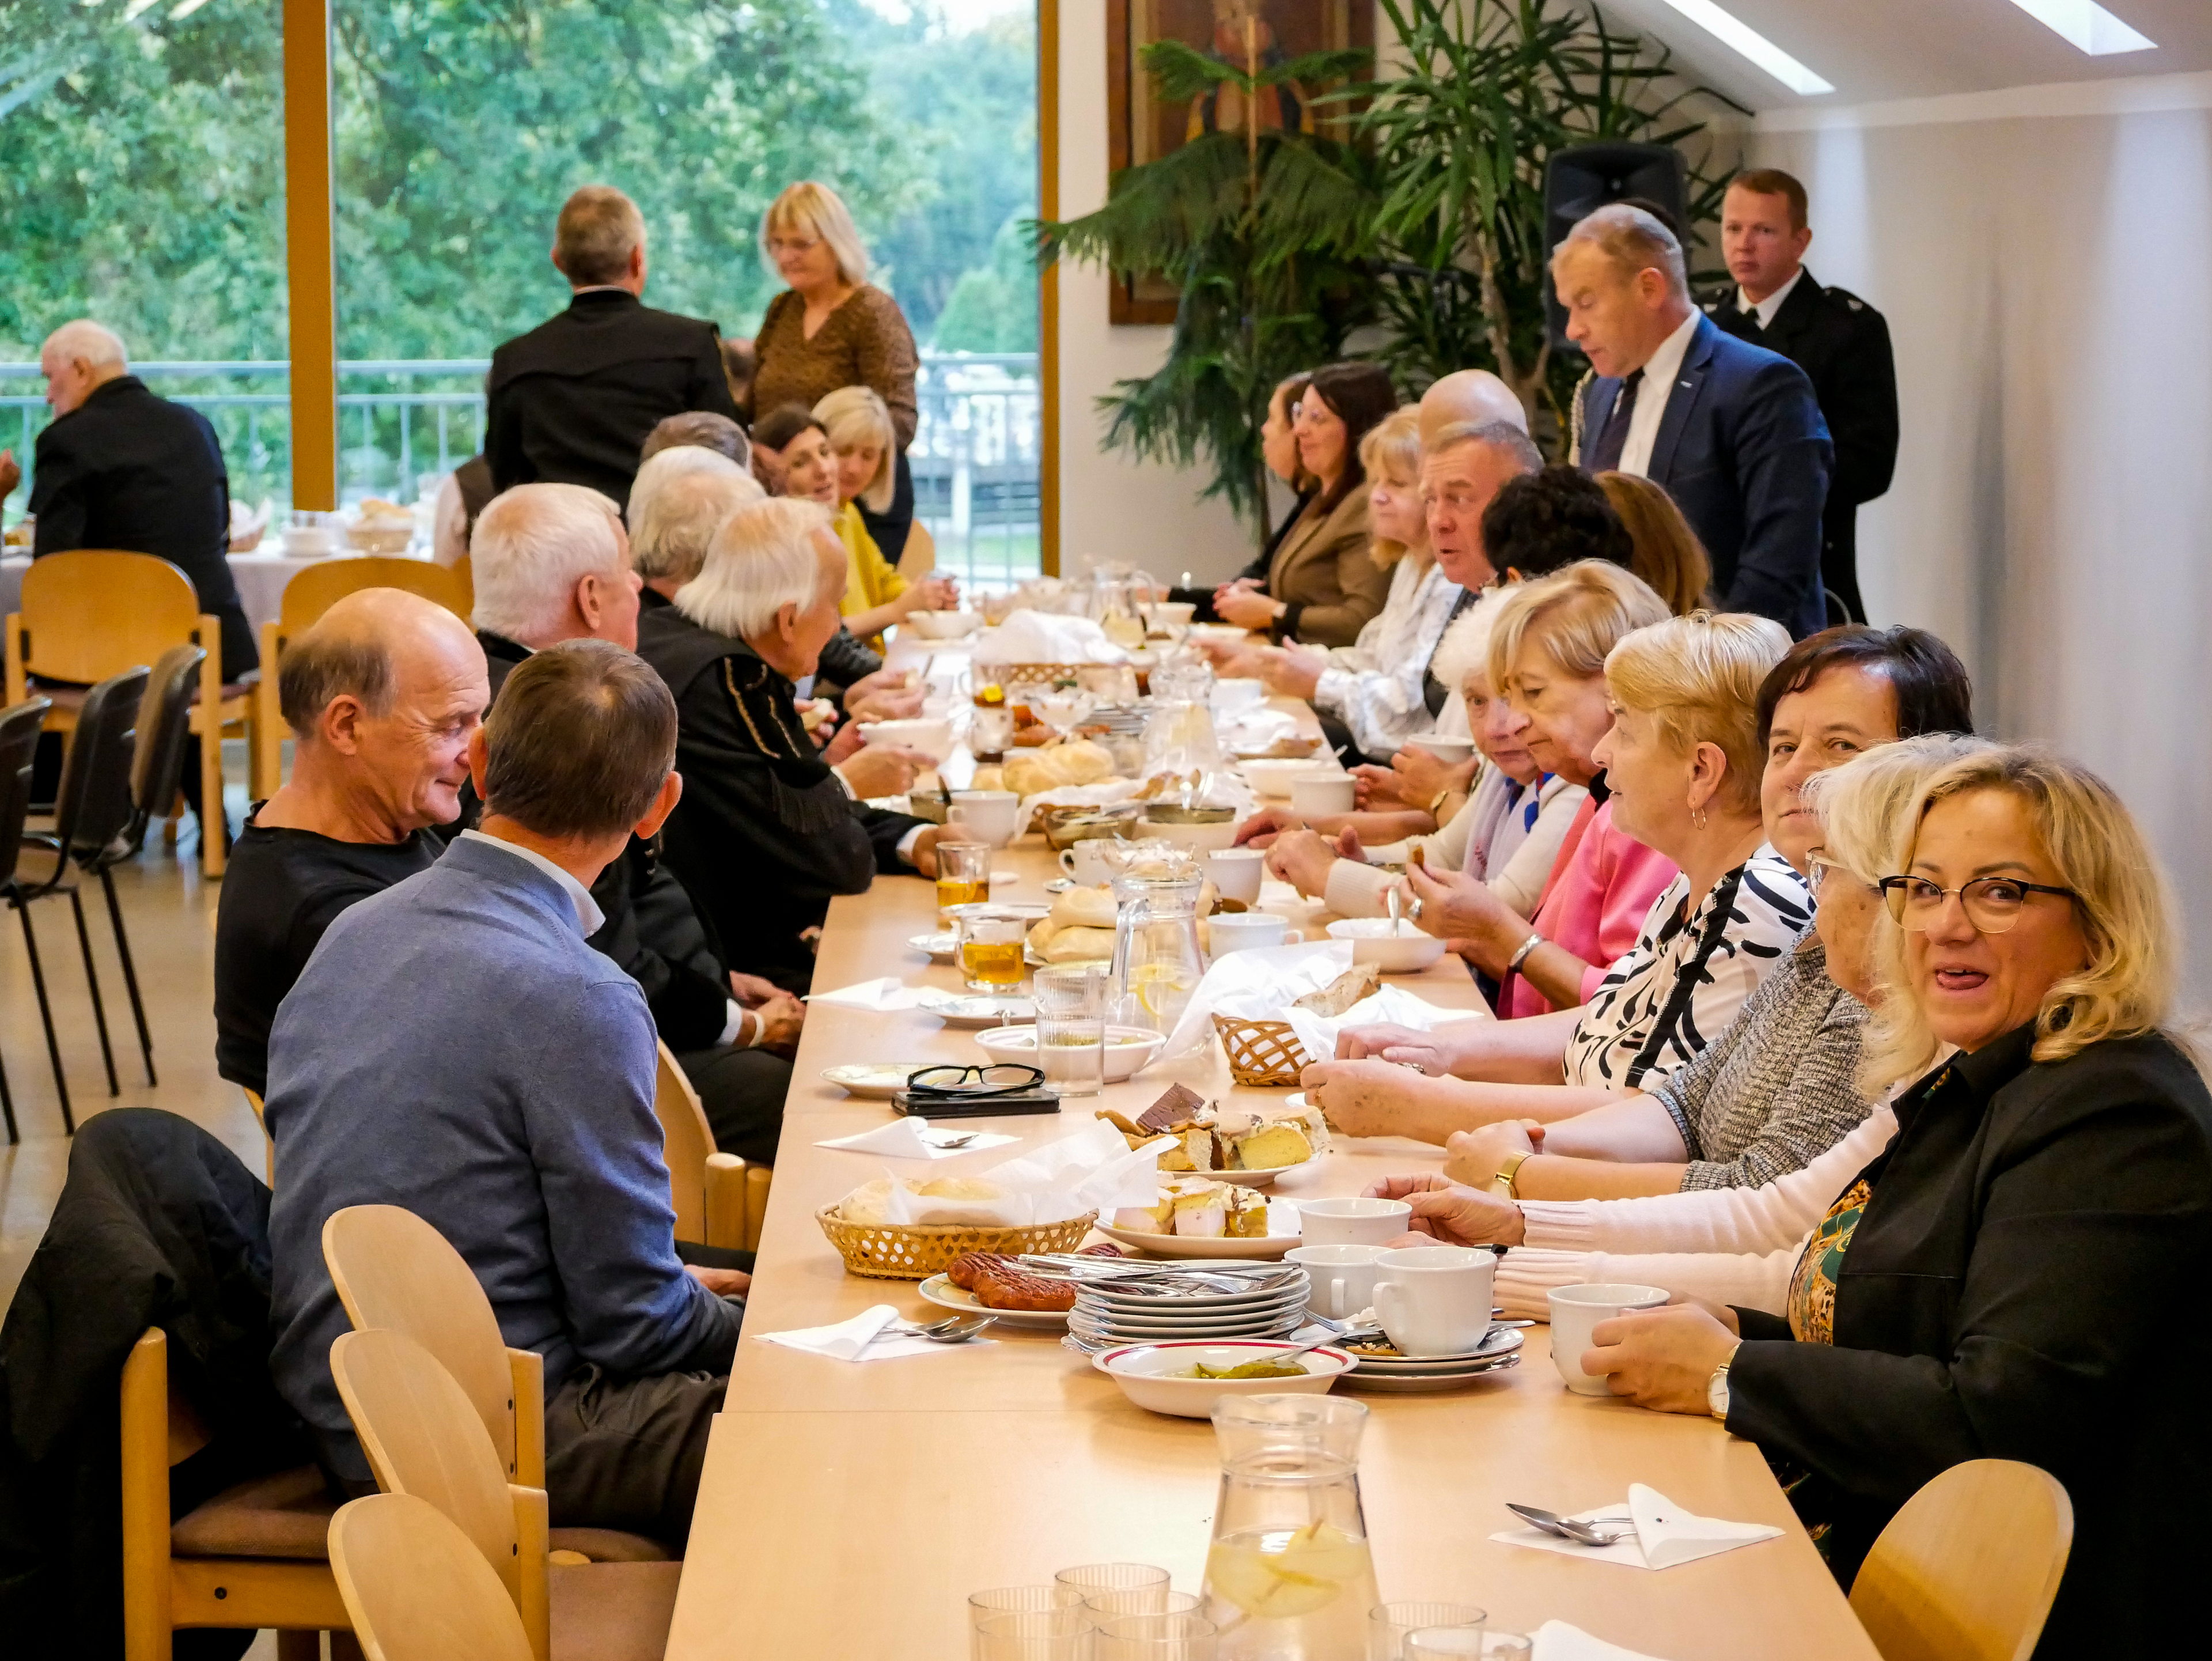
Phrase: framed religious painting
x=1141 y=127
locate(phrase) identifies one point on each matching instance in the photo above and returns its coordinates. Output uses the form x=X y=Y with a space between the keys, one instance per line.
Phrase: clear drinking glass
x=1389 y=1625
x=1088 y=1578
x=1176 y=1637
x=1015 y=1600
x=963 y=875
x=990 y=949
x=1056 y=1635
x=1071 y=1036
x=1146 y=1600
x=1467 y=1644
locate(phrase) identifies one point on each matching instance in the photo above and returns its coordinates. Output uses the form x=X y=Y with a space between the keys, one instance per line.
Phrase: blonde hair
x=1666 y=552
x=1392 y=448
x=1864 y=810
x=853 y=416
x=761 y=559
x=2121 y=901
x=1697 y=677
x=1577 y=614
x=820 y=211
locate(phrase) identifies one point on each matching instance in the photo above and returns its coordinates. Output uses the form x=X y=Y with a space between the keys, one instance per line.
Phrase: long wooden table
x=849 y=1509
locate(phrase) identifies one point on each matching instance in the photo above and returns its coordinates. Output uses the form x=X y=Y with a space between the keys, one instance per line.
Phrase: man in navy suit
x=1731 y=430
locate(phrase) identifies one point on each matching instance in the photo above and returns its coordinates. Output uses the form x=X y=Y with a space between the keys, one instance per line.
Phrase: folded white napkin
x=888 y=992
x=1028 y=636
x=1391 y=1004
x=1255 y=728
x=1256 y=985
x=1665 y=1535
x=1558 y=1641
x=855 y=1340
x=912 y=1139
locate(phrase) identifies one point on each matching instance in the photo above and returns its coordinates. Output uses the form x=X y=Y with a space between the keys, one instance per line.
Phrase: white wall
x=1111 y=507
x=2041 y=255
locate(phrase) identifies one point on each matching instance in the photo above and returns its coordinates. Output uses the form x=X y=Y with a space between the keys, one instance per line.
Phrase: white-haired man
x=118 y=467
x=1731 y=431
x=574 y=400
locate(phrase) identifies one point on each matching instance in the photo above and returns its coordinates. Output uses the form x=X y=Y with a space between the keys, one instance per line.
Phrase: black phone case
x=976 y=1107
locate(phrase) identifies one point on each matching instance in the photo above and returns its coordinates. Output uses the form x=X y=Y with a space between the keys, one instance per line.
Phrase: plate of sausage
x=989 y=1281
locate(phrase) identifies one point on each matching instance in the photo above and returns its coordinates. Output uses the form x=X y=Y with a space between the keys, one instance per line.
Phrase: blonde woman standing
x=834 y=328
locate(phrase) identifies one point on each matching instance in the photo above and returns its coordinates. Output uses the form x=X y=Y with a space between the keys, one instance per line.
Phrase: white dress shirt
x=589 y=918
x=1765 y=309
x=1651 y=396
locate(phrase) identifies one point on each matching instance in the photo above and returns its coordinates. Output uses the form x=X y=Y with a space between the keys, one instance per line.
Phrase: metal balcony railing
x=403 y=423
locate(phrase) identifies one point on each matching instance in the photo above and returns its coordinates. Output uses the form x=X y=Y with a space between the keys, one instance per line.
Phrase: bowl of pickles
x=1185 y=1377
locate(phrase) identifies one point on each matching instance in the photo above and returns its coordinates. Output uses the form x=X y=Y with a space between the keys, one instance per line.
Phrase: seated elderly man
x=504 y=1094
x=551 y=564
x=382 y=696
x=768 y=831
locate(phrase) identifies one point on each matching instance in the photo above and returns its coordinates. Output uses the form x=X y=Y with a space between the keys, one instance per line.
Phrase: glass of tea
x=963 y=875
x=991 y=950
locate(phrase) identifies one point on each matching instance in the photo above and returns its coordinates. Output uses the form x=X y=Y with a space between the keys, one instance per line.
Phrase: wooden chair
x=417 y=1588
x=313 y=592
x=253 y=1556
x=712 y=1191
x=918 y=559
x=1966 y=1570
x=394 y=1272
x=423 y=1436
x=93 y=613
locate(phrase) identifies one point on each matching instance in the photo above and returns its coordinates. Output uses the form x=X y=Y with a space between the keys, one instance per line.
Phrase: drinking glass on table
x=1092 y=1578
x=1052 y=1634
x=1061 y=709
x=1467 y=1644
x=963 y=874
x=1389 y=1625
x=1143 y=1600
x=1178 y=1637
x=991 y=949
x=1071 y=1048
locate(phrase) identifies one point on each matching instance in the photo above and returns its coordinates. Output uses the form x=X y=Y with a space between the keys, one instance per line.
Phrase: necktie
x=1606 y=458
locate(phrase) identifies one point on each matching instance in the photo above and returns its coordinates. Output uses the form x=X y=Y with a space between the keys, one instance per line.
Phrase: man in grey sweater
x=455 y=1046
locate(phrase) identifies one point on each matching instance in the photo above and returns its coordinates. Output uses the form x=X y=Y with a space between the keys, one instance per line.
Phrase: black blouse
x=2026 y=1283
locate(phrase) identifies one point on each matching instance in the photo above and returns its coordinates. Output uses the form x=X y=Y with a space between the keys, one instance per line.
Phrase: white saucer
x=875 y=1081
x=941 y=1292
x=976 y=1009
x=940 y=948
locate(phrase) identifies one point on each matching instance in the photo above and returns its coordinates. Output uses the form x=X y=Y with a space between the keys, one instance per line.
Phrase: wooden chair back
x=416 y=1588
x=395 y=1272
x=321 y=586
x=708 y=1188
x=1966 y=1570
x=93 y=613
x=918 y=559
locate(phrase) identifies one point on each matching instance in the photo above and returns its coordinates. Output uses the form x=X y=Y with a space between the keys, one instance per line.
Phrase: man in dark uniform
x=1840 y=341
x=572 y=401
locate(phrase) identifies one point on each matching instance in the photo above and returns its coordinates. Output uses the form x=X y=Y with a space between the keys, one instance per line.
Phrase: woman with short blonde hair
x=834 y=328
x=858 y=428
x=1668 y=554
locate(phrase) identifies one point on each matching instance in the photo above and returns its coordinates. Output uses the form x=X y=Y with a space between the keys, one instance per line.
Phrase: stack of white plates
x=1406 y=1375
x=1106 y=1314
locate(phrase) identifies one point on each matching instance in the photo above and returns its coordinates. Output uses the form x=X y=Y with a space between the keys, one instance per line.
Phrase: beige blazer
x=1324 y=572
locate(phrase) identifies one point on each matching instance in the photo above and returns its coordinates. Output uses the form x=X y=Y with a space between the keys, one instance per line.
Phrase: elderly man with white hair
x=767 y=832
x=1730 y=430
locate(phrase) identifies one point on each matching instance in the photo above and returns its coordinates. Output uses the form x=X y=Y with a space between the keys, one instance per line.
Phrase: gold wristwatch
x=1502 y=1183
x=1716 y=1388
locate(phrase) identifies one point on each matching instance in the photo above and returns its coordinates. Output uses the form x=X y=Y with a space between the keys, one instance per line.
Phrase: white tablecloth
x=260 y=576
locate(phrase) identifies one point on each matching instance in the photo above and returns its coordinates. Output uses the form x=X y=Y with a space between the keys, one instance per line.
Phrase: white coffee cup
x=1575 y=1311
x=1434 y=1300
x=1318 y=795
x=991 y=814
x=1450 y=751
x=1236 y=872
x=1352 y=1222
x=1237 y=693
x=1340 y=1279
x=1093 y=861
x=1249 y=931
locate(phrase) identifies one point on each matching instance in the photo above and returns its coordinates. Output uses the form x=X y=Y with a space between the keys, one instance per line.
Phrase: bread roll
x=991 y=776
x=1082 y=907
x=1079 y=945
x=1041 y=936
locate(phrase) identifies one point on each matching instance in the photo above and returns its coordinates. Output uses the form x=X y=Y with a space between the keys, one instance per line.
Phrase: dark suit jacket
x=2022 y=1285
x=128 y=470
x=1745 y=454
x=571 y=402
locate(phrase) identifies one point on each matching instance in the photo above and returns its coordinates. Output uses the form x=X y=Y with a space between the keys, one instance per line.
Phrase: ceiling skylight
x=2087 y=25
x=1741 y=38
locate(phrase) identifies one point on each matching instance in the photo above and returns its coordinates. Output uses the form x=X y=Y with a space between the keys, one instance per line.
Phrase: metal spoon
x=1567 y=1529
x=953 y=1330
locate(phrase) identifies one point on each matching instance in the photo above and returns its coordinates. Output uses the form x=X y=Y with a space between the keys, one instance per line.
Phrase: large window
x=141 y=148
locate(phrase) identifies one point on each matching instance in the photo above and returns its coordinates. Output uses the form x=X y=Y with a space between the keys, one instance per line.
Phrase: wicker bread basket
x=1261 y=1052
x=914 y=1251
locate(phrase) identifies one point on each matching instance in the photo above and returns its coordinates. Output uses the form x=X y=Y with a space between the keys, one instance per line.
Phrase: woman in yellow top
x=840 y=458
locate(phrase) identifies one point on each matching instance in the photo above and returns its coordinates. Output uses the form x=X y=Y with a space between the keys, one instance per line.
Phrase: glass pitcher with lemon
x=1289 y=1576
x=1156 y=959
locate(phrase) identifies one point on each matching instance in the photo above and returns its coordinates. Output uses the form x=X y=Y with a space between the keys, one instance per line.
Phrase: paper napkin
x=1558 y=1641
x=855 y=1340
x=1665 y=1534
x=912 y=1139
x=888 y=993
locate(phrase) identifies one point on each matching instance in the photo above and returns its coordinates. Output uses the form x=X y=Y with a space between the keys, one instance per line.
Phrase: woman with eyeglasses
x=2018 y=1276
x=832 y=328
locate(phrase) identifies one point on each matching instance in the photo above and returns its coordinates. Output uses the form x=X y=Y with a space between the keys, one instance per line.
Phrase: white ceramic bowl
x=1408 y=952
x=1143 y=1370
x=1197 y=838
x=380 y=536
x=1129 y=1049
x=1236 y=694
x=311 y=541
x=943 y=625
x=933 y=738
x=1450 y=751
x=1274 y=778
